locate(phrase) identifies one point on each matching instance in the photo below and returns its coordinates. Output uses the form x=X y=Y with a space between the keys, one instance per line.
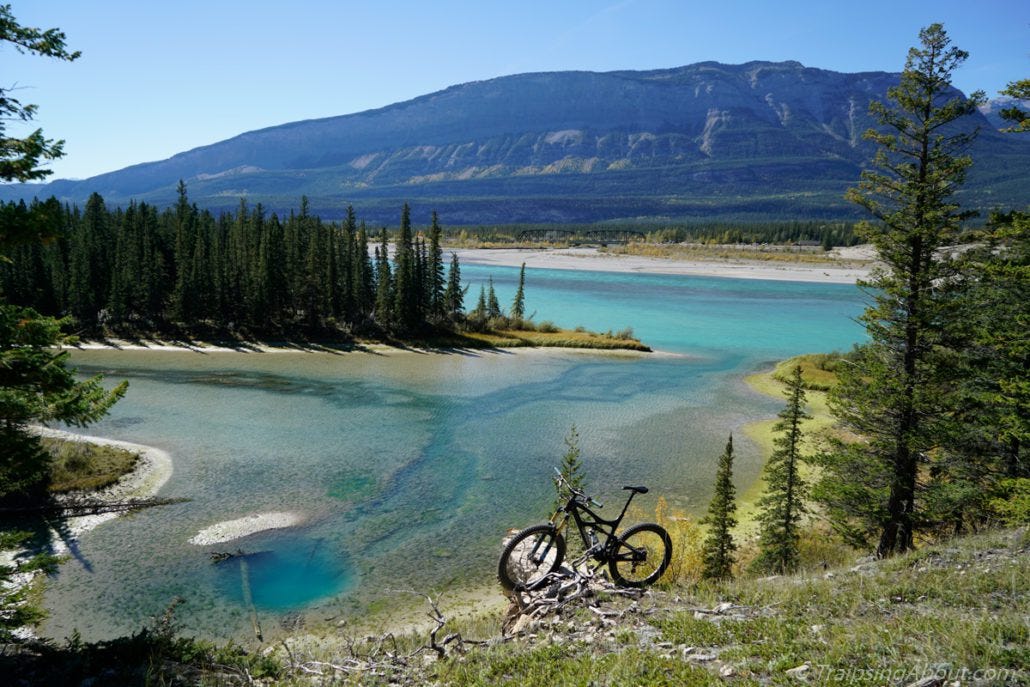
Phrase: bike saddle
x=639 y=490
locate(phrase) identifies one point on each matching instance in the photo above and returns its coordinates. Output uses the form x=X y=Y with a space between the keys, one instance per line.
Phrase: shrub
x=1012 y=501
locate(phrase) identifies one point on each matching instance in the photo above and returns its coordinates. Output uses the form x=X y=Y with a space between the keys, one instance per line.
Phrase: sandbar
x=151 y=472
x=591 y=259
x=244 y=527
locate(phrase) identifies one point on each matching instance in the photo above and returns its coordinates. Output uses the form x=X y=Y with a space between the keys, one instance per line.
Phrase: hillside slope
x=704 y=139
x=950 y=614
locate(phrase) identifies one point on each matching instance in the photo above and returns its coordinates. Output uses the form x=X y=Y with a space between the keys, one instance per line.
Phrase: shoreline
x=203 y=348
x=591 y=259
x=152 y=471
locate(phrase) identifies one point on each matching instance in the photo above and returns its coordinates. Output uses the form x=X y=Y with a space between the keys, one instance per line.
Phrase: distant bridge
x=603 y=236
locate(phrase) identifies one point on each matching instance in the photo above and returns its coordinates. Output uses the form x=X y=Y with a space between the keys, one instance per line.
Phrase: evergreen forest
x=184 y=271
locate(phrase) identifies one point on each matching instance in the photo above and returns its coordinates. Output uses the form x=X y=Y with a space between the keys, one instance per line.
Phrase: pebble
x=800 y=670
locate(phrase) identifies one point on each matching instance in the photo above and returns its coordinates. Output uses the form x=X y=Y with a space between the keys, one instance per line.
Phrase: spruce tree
x=349 y=279
x=182 y=258
x=892 y=396
x=436 y=283
x=493 y=306
x=783 y=503
x=36 y=384
x=405 y=288
x=454 y=295
x=518 y=306
x=571 y=467
x=384 y=283
x=717 y=550
x=21 y=159
x=364 y=276
x=480 y=313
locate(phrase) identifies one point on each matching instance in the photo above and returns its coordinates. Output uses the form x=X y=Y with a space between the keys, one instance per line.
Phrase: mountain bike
x=635 y=558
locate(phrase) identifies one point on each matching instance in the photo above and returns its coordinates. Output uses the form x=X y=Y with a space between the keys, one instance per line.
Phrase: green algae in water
x=351 y=486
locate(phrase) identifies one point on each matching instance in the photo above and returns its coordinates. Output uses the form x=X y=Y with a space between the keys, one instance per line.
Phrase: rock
x=701 y=658
x=522 y=624
x=930 y=681
x=428 y=659
x=799 y=671
x=723 y=607
x=727 y=671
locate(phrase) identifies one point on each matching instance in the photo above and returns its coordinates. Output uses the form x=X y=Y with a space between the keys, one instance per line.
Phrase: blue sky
x=157 y=78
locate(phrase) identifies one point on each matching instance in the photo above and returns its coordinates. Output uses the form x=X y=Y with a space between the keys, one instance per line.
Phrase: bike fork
x=533 y=554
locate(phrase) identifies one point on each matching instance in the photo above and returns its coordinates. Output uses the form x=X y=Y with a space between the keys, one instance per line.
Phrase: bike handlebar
x=576 y=493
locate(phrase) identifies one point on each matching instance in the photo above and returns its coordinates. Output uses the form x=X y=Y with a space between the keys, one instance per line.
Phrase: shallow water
x=409 y=467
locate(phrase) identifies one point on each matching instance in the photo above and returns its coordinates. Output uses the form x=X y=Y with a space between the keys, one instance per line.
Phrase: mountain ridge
x=696 y=140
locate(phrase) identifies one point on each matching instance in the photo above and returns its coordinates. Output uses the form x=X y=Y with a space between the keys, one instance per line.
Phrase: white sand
x=245 y=526
x=152 y=471
x=592 y=259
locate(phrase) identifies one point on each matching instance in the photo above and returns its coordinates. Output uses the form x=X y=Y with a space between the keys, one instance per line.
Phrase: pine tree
x=384 y=283
x=405 y=287
x=717 y=550
x=21 y=159
x=454 y=295
x=436 y=285
x=36 y=385
x=989 y=394
x=480 y=313
x=783 y=503
x=571 y=468
x=893 y=395
x=348 y=268
x=364 y=276
x=518 y=306
x=182 y=259
x=493 y=307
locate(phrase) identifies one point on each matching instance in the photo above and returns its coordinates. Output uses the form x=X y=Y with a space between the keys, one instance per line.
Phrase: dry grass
x=724 y=253
x=516 y=338
x=79 y=465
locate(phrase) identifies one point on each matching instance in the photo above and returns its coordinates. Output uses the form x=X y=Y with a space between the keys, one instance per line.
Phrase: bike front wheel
x=530 y=556
x=641 y=555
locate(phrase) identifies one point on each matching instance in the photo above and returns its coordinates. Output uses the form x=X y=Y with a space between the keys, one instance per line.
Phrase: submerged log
x=73 y=507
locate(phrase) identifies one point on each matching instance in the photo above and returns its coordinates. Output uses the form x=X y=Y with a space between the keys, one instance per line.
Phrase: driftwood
x=380 y=656
x=558 y=590
x=222 y=556
x=76 y=506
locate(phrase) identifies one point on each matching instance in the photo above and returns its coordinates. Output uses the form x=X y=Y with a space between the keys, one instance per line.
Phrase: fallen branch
x=79 y=506
x=556 y=591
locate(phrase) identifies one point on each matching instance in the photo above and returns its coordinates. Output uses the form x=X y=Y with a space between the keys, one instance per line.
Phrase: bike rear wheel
x=530 y=556
x=641 y=555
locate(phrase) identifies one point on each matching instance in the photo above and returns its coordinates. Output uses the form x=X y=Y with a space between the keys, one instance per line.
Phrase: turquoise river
x=409 y=467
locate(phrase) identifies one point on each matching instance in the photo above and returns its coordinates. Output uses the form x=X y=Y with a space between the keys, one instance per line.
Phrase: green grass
x=817 y=377
x=963 y=604
x=81 y=465
x=572 y=664
x=519 y=338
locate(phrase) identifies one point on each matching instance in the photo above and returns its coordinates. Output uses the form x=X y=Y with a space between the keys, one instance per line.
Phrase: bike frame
x=588 y=521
